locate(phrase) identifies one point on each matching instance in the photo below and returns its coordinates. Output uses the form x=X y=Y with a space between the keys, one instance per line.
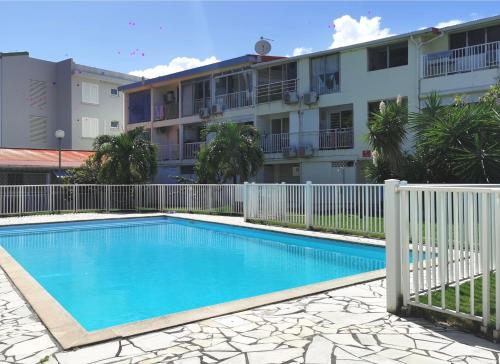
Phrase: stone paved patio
x=348 y=325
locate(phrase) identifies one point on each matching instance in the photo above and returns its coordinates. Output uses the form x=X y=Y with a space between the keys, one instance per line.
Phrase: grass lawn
x=465 y=297
x=327 y=222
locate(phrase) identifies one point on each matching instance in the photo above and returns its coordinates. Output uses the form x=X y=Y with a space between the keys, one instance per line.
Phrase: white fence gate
x=442 y=239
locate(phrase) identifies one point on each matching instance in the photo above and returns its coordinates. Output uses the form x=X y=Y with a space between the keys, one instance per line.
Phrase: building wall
x=110 y=108
x=28 y=118
x=38 y=97
x=358 y=88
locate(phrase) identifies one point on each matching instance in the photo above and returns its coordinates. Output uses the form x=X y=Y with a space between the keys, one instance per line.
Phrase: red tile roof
x=42 y=158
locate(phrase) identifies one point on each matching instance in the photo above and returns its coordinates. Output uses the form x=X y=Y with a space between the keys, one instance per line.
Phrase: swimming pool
x=113 y=272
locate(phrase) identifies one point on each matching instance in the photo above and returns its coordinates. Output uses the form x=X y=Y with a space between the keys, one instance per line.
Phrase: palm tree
x=127 y=158
x=460 y=142
x=387 y=130
x=233 y=152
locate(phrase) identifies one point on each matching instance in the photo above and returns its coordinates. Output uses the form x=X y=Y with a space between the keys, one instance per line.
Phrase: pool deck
x=346 y=325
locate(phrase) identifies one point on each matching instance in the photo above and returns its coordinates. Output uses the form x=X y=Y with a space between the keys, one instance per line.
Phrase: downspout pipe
x=419 y=45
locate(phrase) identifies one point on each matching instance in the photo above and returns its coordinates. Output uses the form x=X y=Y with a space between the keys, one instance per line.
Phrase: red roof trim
x=48 y=158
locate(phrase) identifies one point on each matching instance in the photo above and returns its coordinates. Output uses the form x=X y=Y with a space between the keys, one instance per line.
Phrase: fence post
x=50 y=207
x=75 y=198
x=21 y=199
x=245 y=201
x=108 y=198
x=496 y=244
x=308 y=201
x=393 y=245
x=485 y=249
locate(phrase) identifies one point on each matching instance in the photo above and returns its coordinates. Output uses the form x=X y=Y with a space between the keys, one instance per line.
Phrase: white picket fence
x=16 y=200
x=440 y=237
x=342 y=207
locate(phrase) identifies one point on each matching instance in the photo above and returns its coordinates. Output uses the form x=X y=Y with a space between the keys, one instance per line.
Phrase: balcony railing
x=275 y=91
x=275 y=143
x=342 y=138
x=201 y=103
x=235 y=100
x=167 y=152
x=328 y=139
x=467 y=59
x=192 y=149
x=166 y=112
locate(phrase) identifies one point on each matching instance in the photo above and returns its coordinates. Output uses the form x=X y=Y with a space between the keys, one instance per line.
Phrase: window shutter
x=90 y=93
x=90 y=127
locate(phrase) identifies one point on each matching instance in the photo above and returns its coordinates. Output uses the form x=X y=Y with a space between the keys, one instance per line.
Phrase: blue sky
x=128 y=36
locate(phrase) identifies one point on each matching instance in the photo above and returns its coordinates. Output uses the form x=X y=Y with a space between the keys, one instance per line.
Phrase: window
x=475 y=37
x=275 y=80
x=90 y=127
x=280 y=126
x=195 y=96
x=325 y=74
x=114 y=92
x=392 y=55
x=341 y=119
x=114 y=124
x=282 y=72
x=90 y=93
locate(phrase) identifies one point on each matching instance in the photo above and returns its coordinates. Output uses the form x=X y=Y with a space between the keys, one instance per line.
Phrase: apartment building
x=38 y=97
x=312 y=110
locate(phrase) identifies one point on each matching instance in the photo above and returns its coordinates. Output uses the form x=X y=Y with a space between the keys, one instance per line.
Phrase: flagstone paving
x=349 y=325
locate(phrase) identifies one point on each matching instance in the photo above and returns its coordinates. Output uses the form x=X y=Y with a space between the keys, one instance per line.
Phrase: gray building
x=38 y=97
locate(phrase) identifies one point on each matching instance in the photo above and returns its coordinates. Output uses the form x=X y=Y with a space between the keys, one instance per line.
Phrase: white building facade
x=38 y=97
x=312 y=110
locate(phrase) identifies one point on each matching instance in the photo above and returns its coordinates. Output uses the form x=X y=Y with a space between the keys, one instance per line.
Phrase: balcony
x=191 y=150
x=275 y=91
x=235 y=100
x=168 y=152
x=201 y=103
x=467 y=59
x=275 y=143
x=166 y=112
x=328 y=139
x=336 y=139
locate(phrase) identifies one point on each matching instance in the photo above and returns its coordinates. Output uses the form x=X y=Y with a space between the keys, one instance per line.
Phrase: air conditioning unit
x=217 y=109
x=290 y=97
x=290 y=152
x=311 y=98
x=204 y=113
x=305 y=151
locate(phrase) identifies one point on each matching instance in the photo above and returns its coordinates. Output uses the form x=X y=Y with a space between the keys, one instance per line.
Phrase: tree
x=459 y=142
x=86 y=174
x=233 y=152
x=387 y=130
x=127 y=158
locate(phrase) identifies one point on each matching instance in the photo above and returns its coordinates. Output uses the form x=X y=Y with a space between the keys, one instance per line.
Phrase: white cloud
x=301 y=50
x=348 y=30
x=449 y=23
x=175 y=65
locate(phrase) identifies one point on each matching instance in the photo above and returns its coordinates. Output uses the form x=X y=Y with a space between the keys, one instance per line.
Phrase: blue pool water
x=106 y=273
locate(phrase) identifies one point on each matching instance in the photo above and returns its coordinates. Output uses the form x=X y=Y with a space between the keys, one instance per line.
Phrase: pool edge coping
x=69 y=334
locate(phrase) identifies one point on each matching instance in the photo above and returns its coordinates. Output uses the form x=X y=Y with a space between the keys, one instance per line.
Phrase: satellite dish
x=262 y=47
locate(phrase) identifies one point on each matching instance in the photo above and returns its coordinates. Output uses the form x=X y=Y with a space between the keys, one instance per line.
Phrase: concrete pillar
x=181 y=141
